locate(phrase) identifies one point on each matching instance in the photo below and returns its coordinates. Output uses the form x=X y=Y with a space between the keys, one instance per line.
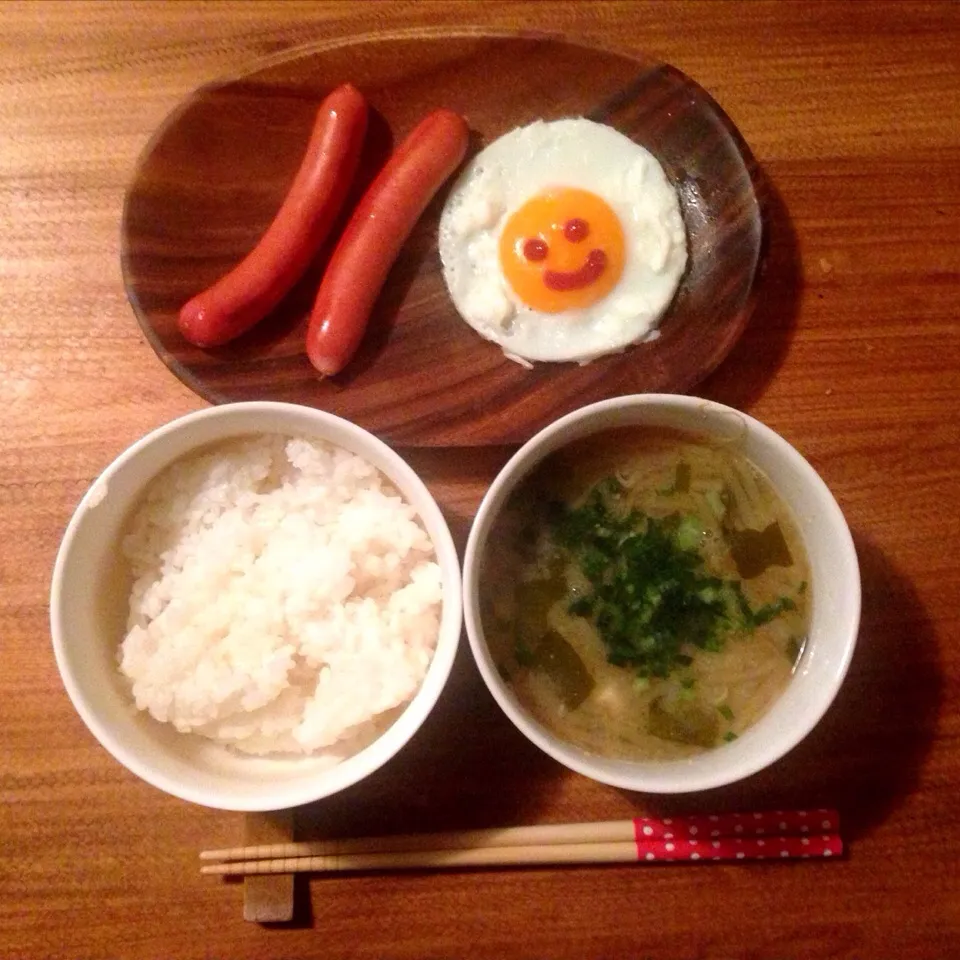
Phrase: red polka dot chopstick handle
x=777 y=834
x=785 y=823
x=741 y=848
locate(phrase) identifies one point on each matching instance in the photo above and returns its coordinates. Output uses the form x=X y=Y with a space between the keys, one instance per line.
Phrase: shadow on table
x=762 y=348
x=466 y=768
x=865 y=755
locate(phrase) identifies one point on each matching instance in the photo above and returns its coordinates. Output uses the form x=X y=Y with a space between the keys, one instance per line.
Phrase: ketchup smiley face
x=562 y=249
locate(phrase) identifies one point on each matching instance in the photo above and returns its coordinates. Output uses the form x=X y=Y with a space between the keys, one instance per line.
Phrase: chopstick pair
x=771 y=835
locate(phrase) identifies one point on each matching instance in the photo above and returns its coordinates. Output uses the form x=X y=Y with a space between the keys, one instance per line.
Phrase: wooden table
x=853 y=355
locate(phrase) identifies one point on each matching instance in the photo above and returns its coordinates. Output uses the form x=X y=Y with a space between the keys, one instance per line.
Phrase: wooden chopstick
x=539 y=835
x=633 y=851
x=778 y=823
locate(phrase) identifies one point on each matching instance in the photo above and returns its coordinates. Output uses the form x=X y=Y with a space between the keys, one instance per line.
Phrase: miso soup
x=646 y=594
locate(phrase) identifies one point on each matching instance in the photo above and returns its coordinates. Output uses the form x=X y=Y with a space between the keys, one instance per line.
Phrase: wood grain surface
x=852 y=354
x=214 y=174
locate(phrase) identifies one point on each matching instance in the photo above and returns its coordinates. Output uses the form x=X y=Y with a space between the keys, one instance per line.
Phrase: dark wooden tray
x=212 y=177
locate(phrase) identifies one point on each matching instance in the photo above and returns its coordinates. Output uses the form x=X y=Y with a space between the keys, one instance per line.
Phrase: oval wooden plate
x=213 y=176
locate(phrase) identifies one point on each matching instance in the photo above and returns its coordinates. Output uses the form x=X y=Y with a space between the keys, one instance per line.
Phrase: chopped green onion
x=725 y=712
x=650 y=592
x=771 y=611
x=689 y=533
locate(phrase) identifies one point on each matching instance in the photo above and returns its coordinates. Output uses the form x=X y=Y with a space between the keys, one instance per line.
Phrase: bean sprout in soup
x=646 y=594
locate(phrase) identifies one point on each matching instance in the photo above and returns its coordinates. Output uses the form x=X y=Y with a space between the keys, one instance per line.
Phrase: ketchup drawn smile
x=562 y=250
x=590 y=272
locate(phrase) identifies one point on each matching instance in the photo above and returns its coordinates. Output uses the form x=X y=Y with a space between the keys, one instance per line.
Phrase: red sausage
x=260 y=281
x=380 y=225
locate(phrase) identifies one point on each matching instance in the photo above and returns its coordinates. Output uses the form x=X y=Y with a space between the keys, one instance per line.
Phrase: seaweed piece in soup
x=753 y=551
x=563 y=665
x=685 y=722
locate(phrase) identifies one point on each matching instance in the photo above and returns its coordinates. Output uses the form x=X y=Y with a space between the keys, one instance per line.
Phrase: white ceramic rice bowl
x=88 y=609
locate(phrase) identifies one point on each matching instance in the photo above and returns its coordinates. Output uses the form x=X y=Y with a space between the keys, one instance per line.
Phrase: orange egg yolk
x=562 y=249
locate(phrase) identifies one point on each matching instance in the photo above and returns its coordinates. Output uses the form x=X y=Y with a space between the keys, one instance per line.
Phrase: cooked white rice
x=285 y=598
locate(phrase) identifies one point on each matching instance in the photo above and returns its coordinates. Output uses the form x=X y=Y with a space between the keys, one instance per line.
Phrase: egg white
x=564 y=153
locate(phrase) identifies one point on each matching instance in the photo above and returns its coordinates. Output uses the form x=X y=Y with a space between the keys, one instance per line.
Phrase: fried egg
x=563 y=240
